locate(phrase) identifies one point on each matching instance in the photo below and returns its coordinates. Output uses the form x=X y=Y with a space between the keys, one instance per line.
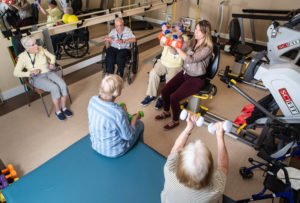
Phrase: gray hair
x=27 y=42
x=110 y=87
x=119 y=20
x=195 y=165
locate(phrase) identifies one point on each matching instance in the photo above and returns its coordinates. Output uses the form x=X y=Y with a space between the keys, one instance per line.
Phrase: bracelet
x=189 y=132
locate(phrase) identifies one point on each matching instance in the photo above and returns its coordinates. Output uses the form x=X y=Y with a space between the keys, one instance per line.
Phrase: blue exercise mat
x=80 y=175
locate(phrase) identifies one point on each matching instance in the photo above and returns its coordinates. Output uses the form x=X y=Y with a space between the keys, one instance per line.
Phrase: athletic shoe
x=68 y=113
x=147 y=100
x=159 y=103
x=60 y=116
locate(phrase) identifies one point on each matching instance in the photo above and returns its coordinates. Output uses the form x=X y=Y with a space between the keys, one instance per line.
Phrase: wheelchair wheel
x=135 y=59
x=129 y=80
x=75 y=46
x=103 y=61
x=246 y=174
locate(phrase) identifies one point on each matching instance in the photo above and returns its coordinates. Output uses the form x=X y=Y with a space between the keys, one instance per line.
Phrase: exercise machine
x=283 y=46
x=280 y=134
x=282 y=78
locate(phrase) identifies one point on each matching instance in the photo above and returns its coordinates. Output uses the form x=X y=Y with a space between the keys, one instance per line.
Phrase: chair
x=209 y=90
x=236 y=48
x=241 y=52
x=131 y=63
x=28 y=86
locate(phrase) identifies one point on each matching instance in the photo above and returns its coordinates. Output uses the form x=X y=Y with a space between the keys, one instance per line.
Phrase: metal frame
x=41 y=93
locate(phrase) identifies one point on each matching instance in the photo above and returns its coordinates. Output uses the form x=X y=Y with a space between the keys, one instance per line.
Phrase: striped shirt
x=110 y=130
x=175 y=192
x=126 y=34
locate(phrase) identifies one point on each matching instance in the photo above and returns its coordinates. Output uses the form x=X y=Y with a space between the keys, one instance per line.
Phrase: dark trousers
x=56 y=40
x=178 y=88
x=116 y=56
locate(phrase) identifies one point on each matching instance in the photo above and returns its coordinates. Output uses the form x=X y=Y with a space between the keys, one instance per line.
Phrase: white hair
x=196 y=160
x=111 y=86
x=119 y=20
x=27 y=42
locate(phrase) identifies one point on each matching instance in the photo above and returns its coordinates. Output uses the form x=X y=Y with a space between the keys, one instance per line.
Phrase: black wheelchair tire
x=75 y=46
x=246 y=174
x=135 y=61
x=103 y=61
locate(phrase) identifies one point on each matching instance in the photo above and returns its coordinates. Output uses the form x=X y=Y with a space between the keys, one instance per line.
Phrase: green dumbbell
x=123 y=105
x=141 y=113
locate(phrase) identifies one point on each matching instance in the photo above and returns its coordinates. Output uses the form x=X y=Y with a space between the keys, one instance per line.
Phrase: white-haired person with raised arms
x=38 y=64
x=190 y=175
x=112 y=132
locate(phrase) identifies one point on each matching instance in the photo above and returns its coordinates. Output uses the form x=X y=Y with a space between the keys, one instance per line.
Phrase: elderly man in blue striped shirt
x=112 y=134
x=119 y=40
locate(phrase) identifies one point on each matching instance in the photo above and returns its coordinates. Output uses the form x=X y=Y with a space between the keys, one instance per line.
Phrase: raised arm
x=182 y=138
x=222 y=150
x=42 y=9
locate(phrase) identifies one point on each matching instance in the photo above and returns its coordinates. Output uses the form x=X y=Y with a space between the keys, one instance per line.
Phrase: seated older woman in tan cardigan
x=37 y=63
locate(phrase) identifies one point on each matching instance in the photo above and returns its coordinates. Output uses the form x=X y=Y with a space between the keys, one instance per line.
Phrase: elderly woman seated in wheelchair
x=118 y=52
x=38 y=64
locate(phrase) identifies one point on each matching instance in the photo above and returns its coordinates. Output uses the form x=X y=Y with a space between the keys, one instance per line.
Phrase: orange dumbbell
x=9 y=172
x=7 y=169
x=11 y=175
x=163 y=38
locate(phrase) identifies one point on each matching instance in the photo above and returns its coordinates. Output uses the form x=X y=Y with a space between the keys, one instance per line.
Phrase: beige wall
x=208 y=10
x=7 y=80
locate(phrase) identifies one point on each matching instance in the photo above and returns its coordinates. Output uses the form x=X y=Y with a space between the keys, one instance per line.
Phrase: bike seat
x=208 y=89
x=243 y=49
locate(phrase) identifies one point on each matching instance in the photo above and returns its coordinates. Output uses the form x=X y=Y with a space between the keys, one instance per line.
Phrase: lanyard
x=32 y=61
x=119 y=37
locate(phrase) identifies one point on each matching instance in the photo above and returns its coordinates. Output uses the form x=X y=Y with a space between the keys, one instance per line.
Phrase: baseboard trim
x=12 y=92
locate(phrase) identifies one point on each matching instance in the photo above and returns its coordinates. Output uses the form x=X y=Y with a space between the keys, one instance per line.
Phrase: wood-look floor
x=29 y=138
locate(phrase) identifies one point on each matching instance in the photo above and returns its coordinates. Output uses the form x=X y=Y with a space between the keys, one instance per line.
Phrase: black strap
x=32 y=61
x=119 y=38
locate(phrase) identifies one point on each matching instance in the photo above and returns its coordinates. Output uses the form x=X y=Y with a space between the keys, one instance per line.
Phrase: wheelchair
x=284 y=185
x=131 y=62
x=75 y=44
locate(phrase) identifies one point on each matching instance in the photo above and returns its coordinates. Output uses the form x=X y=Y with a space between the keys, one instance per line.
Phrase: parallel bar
x=261 y=17
x=266 y=11
x=73 y=26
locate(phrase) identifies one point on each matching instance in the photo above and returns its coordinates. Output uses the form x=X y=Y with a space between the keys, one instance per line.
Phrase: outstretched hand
x=219 y=129
x=191 y=120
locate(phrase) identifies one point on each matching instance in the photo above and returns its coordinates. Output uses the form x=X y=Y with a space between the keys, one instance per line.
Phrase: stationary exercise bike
x=280 y=135
x=283 y=45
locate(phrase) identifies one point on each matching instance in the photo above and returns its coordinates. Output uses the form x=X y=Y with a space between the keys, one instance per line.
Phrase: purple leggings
x=178 y=88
